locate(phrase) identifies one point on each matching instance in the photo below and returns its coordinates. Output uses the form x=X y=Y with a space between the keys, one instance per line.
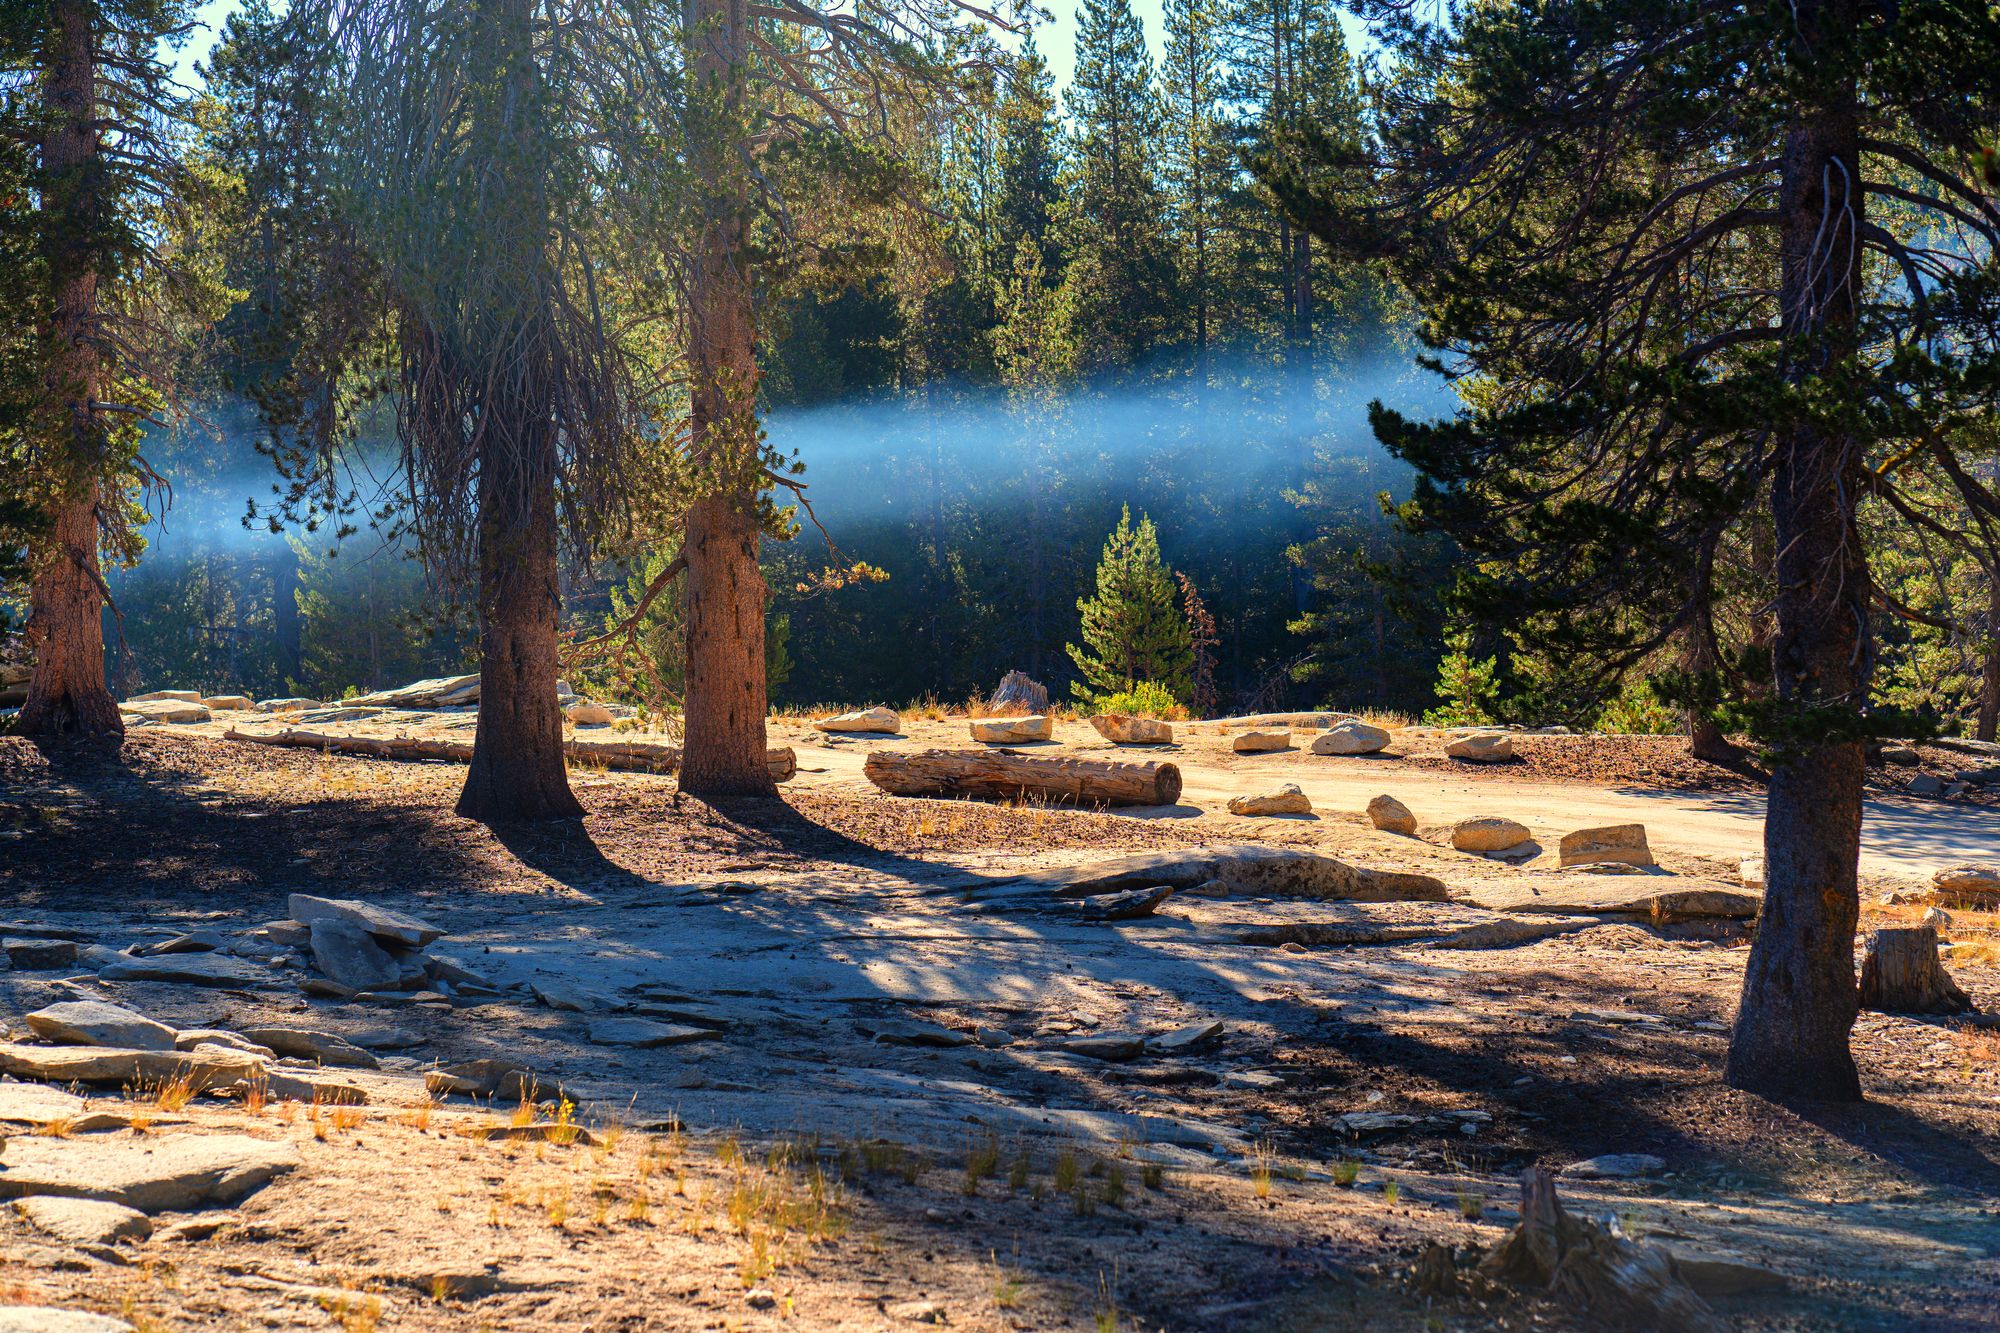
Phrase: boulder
x=1613 y=842
x=436 y=692
x=202 y=1068
x=1260 y=741
x=349 y=955
x=229 y=703
x=1968 y=886
x=39 y=955
x=1925 y=784
x=1391 y=815
x=868 y=721
x=191 y=969
x=83 y=1221
x=307 y=1044
x=99 y=1023
x=1351 y=737
x=1902 y=756
x=1124 y=729
x=1285 y=799
x=1938 y=920
x=1488 y=833
x=170 y=1173
x=287 y=705
x=1018 y=691
x=1012 y=730
x=382 y=922
x=589 y=713
x=1486 y=747
x=167 y=710
x=166 y=697
x=291 y=934
x=473 y=1078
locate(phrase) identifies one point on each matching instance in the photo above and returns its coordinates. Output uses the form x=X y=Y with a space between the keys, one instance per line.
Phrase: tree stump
x=1900 y=974
x=1018 y=693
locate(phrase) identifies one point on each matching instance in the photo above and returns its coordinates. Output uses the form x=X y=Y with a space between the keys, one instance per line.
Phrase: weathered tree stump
x=1900 y=974
x=1018 y=693
x=1616 y=1281
x=998 y=774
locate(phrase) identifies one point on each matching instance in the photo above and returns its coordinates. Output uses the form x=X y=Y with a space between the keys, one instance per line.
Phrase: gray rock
x=1373 y=1122
x=897 y=1032
x=575 y=999
x=1925 y=784
x=194 y=969
x=292 y=934
x=83 y=1221
x=381 y=922
x=473 y=1078
x=916 y=1312
x=452 y=968
x=190 y=1038
x=350 y=956
x=1128 y=905
x=1351 y=737
x=307 y=1044
x=1193 y=1037
x=99 y=1023
x=1615 y=1166
x=48 y=1319
x=644 y=1034
x=1511 y=931
x=386 y=1039
x=202 y=1068
x=1115 y=1047
x=172 y=1173
x=195 y=941
x=1902 y=756
x=39 y=955
x=280 y=1086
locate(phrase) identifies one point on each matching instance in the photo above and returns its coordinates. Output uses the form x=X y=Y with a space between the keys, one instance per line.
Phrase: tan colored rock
x=1612 y=842
x=166 y=710
x=1260 y=742
x=159 y=1173
x=1750 y=872
x=1124 y=729
x=1938 y=920
x=1488 y=833
x=867 y=722
x=1013 y=730
x=1351 y=737
x=83 y=1221
x=1286 y=799
x=229 y=703
x=37 y=1104
x=1486 y=747
x=1391 y=815
x=204 y=1067
x=166 y=697
x=1968 y=886
x=99 y=1023
x=589 y=713
x=48 y=1319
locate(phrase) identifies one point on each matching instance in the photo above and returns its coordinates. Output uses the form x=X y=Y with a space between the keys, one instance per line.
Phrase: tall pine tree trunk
x=517 y=771
x=67 y=695
x=1989 y=685
x=726 y=703
x=1698 y=660
x=1799 y=998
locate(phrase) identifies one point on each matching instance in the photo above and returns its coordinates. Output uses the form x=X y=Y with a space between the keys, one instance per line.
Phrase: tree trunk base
x=1900 y=974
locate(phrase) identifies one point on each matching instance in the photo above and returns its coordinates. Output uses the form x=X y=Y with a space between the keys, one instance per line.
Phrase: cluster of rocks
x=450 y=694
x=1973 y=887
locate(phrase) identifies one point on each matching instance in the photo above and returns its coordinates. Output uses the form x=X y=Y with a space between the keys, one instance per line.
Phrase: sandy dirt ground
x=912 y=1098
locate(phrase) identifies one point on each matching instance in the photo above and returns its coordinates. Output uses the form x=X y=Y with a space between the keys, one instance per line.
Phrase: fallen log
x=1900 y=974
x=1005 y=775
x=630 y=756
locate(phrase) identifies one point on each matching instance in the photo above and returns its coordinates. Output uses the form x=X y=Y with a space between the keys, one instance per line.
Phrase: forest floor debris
x=883 y=1090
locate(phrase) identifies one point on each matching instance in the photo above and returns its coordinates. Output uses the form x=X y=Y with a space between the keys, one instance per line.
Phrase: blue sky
x=1058 y=39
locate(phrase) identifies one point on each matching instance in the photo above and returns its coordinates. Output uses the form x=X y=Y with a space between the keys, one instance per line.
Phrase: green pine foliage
x=1133 y=631
x=1465 y=685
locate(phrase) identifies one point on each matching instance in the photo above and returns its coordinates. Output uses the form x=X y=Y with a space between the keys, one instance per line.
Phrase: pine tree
x=1197 y=158
x=1120 y=265
x=1029 y=161
x=1133 y=633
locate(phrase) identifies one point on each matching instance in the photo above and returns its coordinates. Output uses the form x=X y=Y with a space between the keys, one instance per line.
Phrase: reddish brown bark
x=67 y=695
x=1799 y=997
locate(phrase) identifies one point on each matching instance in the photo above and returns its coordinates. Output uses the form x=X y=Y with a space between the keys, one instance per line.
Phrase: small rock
x=1124 y=729
x=589 y=713
x=1902 y=756
x=83 y=1221
x=1486 y=747
x=1124 y=905
x=759 y=1298
x=1925 y=784
x=99 y=1023
x=381 y=922
x=897 y=1032
x=451 y=968
x=1938 y=920
x=166 y=696
x=867 y=721
x=306 y=1044
x=190 y=1038
x=1012 y=730
x=1193 y=1037
x=1750 y=870
x=1488 y=833
x=1615 y=1166
x=644 y=1034
x=1351 y=737
x=37 y=1104
x=1968 y=885
x=1502 y=934
x=166 y=710
x=1115 y=1047
x=279 y=1086
x=322 y=989
x=993 y=1038
x=196 y=941
x=574 y=1000
x=48 y=1319
x=229 y=703
x=1260 y=741
x=39 y=955
x=1391 y=815
x=916 y=1312
x=1285 y=799
x=472 y=1078
x=291 y=934
x=351 y=956
x=1373 y=1122
x=1614 y=842
x=193 y=969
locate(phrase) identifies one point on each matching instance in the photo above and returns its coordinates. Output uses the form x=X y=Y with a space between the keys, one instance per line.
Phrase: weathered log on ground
x=1613 y=1281
x=630 y=756
x=1900 y=974
x=1001 y=775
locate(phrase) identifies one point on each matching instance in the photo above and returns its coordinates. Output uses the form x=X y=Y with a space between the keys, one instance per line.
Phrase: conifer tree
x=1029 y=160
x=1133 y=631
x=1197 y=158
